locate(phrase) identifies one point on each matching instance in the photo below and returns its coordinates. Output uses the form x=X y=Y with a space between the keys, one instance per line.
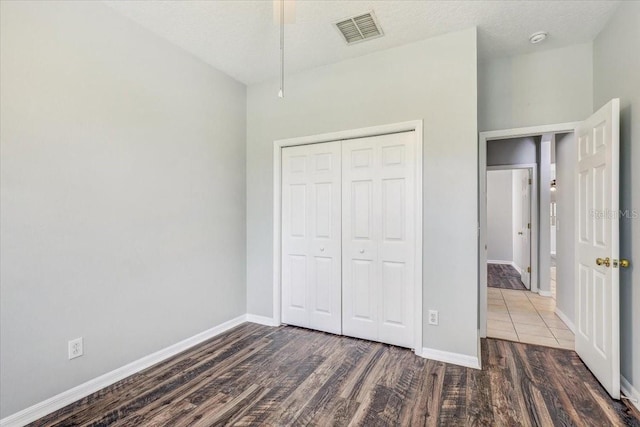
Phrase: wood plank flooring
x=504 y=277
x=257 y=375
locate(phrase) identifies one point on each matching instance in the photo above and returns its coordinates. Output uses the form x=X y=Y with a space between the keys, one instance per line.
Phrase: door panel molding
x=311 y=236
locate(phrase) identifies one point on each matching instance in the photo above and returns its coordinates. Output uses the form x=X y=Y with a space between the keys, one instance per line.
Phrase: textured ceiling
x=241 y=39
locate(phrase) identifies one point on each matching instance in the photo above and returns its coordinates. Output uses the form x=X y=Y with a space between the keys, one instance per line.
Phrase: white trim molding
x=544 y=293
x=632 y=393
x=529 y=131
x=278 y=145
x=261 y=320
x=566 y=320
x=453 y=358
x=499 y=261
x=65 y=398
x=518 y=269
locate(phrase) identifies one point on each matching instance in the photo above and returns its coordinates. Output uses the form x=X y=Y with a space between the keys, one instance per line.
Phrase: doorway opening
x=509 y=207
x=520 y=270
x=588 y=259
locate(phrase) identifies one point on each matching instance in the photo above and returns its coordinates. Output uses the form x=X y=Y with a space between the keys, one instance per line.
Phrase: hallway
x=526 y=317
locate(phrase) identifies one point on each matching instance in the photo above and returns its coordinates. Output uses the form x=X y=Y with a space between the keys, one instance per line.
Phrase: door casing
x=417 y=127
x=482 y=207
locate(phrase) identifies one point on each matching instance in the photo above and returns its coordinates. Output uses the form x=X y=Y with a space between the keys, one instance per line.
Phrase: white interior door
x=378 y=238
x=311 y=241
x=597 y=246
x=525 y=224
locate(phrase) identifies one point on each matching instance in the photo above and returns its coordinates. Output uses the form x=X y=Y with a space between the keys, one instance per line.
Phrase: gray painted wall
x=122 y=196
x=616 y=64
x=512 y=151
x=433 y=80
x=565 y=221
x=553 y=86
x=500 y=215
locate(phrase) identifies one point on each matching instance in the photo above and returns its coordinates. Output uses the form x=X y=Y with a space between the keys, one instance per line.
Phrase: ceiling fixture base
x=538 y=37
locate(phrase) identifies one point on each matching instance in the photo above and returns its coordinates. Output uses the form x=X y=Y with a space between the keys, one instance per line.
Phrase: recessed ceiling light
x=538 y=37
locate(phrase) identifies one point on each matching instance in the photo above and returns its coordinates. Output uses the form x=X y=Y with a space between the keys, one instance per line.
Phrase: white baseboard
x=261 y=320
x=566 y=320
x=453 y=358
x=518 y=269
x=499 y=261
x=65 y=398
x=630 y=391
x=544 y=293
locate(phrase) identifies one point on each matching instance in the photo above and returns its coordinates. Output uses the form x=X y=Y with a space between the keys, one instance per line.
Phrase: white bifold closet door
x=311 y=243
x=378 y=238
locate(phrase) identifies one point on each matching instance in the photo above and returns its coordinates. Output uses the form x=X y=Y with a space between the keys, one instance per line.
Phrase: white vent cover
x=359 y=28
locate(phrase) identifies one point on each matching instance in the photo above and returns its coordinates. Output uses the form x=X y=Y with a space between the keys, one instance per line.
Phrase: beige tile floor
x=526 y=317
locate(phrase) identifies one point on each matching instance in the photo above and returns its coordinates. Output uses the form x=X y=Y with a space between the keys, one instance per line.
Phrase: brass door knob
x=624 y=263
x=606 y=261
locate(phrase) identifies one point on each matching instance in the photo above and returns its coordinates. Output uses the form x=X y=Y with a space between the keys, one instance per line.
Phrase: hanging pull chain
x=281 y=92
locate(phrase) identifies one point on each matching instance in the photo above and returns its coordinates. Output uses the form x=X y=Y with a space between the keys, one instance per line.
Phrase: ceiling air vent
x=359 y=28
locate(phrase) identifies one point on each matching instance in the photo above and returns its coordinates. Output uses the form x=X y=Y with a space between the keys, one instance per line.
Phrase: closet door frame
x=415 y=126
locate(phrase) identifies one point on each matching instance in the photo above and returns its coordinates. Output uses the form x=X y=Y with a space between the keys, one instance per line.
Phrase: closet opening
x=348 y=233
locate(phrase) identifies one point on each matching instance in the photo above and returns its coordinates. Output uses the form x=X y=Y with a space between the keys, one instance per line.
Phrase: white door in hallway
x=524 y=234
x=597 y=245
x=311 y=241
x=378 y=238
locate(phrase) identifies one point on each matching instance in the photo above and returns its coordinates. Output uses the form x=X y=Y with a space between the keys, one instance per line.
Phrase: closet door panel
x=378 y=227
x=311 y=236
x=360 y=229
x=295 y=227
x=397 y=240
x=325 y=238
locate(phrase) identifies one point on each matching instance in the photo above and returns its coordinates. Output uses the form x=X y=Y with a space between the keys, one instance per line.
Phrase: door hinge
x=530 y=181
x=529 y=226
x=528 y=269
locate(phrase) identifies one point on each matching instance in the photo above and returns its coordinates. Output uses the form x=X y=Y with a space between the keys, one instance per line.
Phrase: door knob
x=361 y=251
x=606 y=261
x=520 y=233
x=624 y=263
x=321 y=249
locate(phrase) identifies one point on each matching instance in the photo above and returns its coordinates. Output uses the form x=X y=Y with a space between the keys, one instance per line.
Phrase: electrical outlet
x=75 y=348
x=433 y=317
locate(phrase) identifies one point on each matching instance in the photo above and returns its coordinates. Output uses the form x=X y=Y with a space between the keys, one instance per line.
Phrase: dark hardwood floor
x=256 y=375
x=504 y=277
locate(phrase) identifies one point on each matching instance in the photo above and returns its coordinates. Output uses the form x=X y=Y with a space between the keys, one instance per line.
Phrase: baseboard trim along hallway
x=566 y=320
